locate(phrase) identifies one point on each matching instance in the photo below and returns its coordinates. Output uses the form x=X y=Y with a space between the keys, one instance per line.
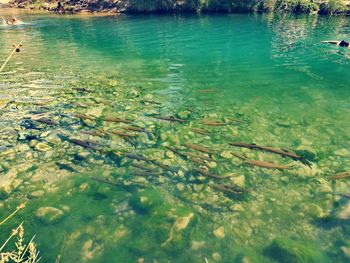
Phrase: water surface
x=260 y=79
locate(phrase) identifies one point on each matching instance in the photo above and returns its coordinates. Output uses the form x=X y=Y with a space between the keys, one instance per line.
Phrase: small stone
x=345 y=212
x=23 y=148
x=49 y=215
x=211 y=164
x=42 y=147
x=226 y=154
x=238 y=180
x=219 y=232
x=180 y=187
x=342 y=152
x=216 y=256
x=195 y=245
x=346 y=251
x=84 y=187
x=36 y=194
x=237 y=208
x=169 y=154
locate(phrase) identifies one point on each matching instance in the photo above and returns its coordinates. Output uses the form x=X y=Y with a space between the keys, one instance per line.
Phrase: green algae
x=115 y=212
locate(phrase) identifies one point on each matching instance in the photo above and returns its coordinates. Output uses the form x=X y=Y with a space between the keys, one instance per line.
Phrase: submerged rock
x=344 y=213
x=219 y=232
x=285 y=250
x=42 y=147
x=147 y=200
x=36 y=194
x=342 y=152
x=49 y=215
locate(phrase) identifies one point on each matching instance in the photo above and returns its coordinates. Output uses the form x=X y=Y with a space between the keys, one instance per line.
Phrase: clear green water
x=268 y=78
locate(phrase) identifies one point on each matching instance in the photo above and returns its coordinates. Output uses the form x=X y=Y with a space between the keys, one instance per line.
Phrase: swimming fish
x=199 y=148
x=341 y=175
x=46 y=121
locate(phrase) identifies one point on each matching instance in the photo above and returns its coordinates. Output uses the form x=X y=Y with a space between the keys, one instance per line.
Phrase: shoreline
x=113 y=9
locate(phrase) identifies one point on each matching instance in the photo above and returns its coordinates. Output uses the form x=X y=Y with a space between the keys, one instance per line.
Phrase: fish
x=341 y=175
x=170 y=118
x=133 y=128
x=85 y=144
x=200 y=131
x=150 y=102
x=142 y=167
x=284 y=153
x=267 y=165
x=136 y=157
x=122 y=134
x=46 y=121
x=83 y=116
x=115 y=119
x=199 y=148
x=228 y=189
x=262 y=164
x=209 y=174
x=93 y=133
x=213 y=123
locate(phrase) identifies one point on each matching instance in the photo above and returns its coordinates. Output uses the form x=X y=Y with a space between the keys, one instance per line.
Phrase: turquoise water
x=263 y=79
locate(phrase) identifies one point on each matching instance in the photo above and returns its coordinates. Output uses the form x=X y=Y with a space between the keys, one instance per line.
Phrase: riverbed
x=177 y=138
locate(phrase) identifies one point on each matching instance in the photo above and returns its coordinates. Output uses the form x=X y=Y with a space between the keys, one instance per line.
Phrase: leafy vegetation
x=281 y=6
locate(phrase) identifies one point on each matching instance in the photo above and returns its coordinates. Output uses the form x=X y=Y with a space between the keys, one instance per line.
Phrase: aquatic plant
x=23 y=253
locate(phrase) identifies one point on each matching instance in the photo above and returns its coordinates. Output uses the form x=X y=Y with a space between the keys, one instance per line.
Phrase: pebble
x=180 y=187
x=219 y=232
x=42 y=147
x=195 y=245
x=36 y=194
x=226 y=154
x=345 y=212
x=342 y=152
x=238 y=180
x=49 y=215
x=216 y=256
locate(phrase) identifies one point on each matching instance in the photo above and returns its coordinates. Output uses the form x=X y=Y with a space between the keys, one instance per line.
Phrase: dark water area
x=115 y=132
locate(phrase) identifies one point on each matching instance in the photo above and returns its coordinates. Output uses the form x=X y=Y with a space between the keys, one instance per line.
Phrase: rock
x=289 y=251
x=49 y=215
x=23 y=148
x=36 y=194
x=237 y=208
x=180 y=187
x=42 y=147
x=313 y=210
x=216 y=256
x=226 y=154
x=169 y=154
x=238 y=180
x=324 y=186
x=195 y=245
x=344 y=213
x=84 y=187
x=346 y=251
x=89 y=250
x=147 y=200
x=182 y=222
x=219 y=232
x=342 y=152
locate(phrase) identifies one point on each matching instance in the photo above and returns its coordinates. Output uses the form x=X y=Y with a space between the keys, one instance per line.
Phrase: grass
x=14 y=249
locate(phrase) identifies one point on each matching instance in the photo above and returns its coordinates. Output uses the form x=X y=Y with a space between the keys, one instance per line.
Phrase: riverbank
x=329 y=7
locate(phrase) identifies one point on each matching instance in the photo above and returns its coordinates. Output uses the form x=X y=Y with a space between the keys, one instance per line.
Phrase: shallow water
x=260 y=79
